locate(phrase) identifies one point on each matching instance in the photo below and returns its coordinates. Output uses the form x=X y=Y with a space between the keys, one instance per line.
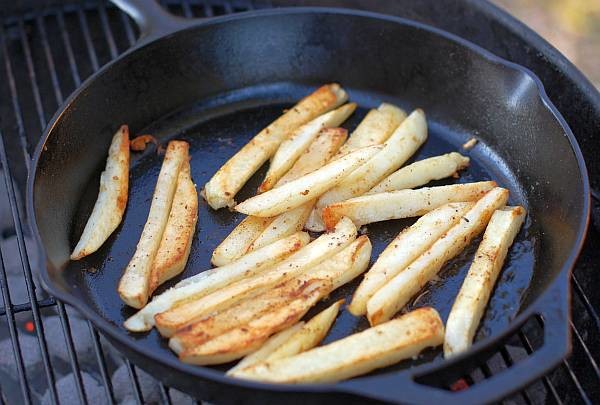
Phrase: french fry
x=400 y=146
x=267 y=348
x=314 y=253
x=238 y=242
x=404 y=249
x=375 y=128
x=398 y=291
x=306 y=188
x=211 y=280
x=476 y=289
x=403 y=203
x=255 y=232
x=293 y=147
x=357 y=354
x=238 y=315
x=240 y=341
x=135 y=281
x=176 y=242
x=112 y=197
x=320 y=151
x=220 y=191
x=310 y=335
x=422 y=172
x=340 y=269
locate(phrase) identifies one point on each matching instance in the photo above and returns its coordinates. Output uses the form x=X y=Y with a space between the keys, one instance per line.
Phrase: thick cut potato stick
x=403 y=203
x=310 y=335
x=238 y=242
x=477 y=287
x=240 y=341
x=314 y=253
x=176 y=242
x=306 y=188
x=210 y=280
x=283 y=225
x=292 y=148
x=398 y=291
x=112 y=197
x=357 y=354
x=422 y=172
x=255 y=232
x=134 y=284
x=375 y=128
x=238 y=315
x=229 y=179
x=267 y=348
x=405 y=248
x=323 y=148
x=403 y=143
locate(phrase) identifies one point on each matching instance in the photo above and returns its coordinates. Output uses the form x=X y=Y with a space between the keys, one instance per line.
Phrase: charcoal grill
x=48 y=47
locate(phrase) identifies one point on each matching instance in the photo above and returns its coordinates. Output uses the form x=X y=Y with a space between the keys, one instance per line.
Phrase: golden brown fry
x=220 y=191
x=176 y=242
x=238 y=242
x=133 y=286
x=112 y=197
x=357 y=354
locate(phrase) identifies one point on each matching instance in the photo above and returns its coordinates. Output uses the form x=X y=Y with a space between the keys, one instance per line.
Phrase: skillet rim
x=561 y=281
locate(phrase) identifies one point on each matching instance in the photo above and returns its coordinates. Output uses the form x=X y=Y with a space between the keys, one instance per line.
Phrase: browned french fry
x=398 y=291
x=403 y=203
x=229 y=179
x=238 y=242
x=240 y=341
x=112 y=197
x=176 y=242
x=477 y=287
x=133 y=286
x=357 y=354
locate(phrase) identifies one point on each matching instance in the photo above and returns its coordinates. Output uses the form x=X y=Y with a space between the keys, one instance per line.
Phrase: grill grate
x=44 y=56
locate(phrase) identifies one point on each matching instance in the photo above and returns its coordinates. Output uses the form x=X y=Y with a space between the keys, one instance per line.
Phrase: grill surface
x=47 y=352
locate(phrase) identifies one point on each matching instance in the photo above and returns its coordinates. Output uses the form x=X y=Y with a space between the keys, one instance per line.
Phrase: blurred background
x=572 y=26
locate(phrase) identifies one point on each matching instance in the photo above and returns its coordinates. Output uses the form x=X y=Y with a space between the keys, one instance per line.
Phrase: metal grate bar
x=545 y=380
x=64 y=321
x=509 y=362
x=32 y=76
x=12 y=330
x=110 y=40
x=101 y=363
x=586 y=302
x=85 y=29
x=128 y=28
x=137 y=391
x=208 y=11
x=586 y=350
x=45 y=303
x=164 y=394
x=187 y=9
x=60 y=18
x=49 y=60
x=15 y=99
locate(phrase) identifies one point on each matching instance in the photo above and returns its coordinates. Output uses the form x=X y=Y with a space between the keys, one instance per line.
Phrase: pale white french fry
x=315 y=223
x=240 y=341
x=404 y=249
x=211 y=280
x=310 y=335
x=220 y=191
x=398 y=291
x=176 y=243
x=238 y=315
x=135 y=281
x=283 y=225
x=306 y=188
x=267 y=348
x=238 y=242
x=357 y=354
x=477 y=287
x=375 y=128
x=312 y=254
x=403 y=203
x=323 y=148
x=422 y=172
x=340 y=269
x=112 y=197
x=255 y=232
x=293 y=147
x=400 y=146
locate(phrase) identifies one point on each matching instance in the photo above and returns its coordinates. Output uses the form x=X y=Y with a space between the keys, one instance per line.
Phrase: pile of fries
x=270 y=273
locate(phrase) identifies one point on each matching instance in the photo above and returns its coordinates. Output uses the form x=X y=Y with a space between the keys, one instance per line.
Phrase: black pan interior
x=217 y=84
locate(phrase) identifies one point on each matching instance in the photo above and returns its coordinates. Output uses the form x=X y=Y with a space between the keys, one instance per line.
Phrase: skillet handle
x=152 y=20
x=403 y=387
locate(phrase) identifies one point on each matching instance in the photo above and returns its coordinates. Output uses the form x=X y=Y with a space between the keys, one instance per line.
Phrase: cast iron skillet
x=216 y=82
